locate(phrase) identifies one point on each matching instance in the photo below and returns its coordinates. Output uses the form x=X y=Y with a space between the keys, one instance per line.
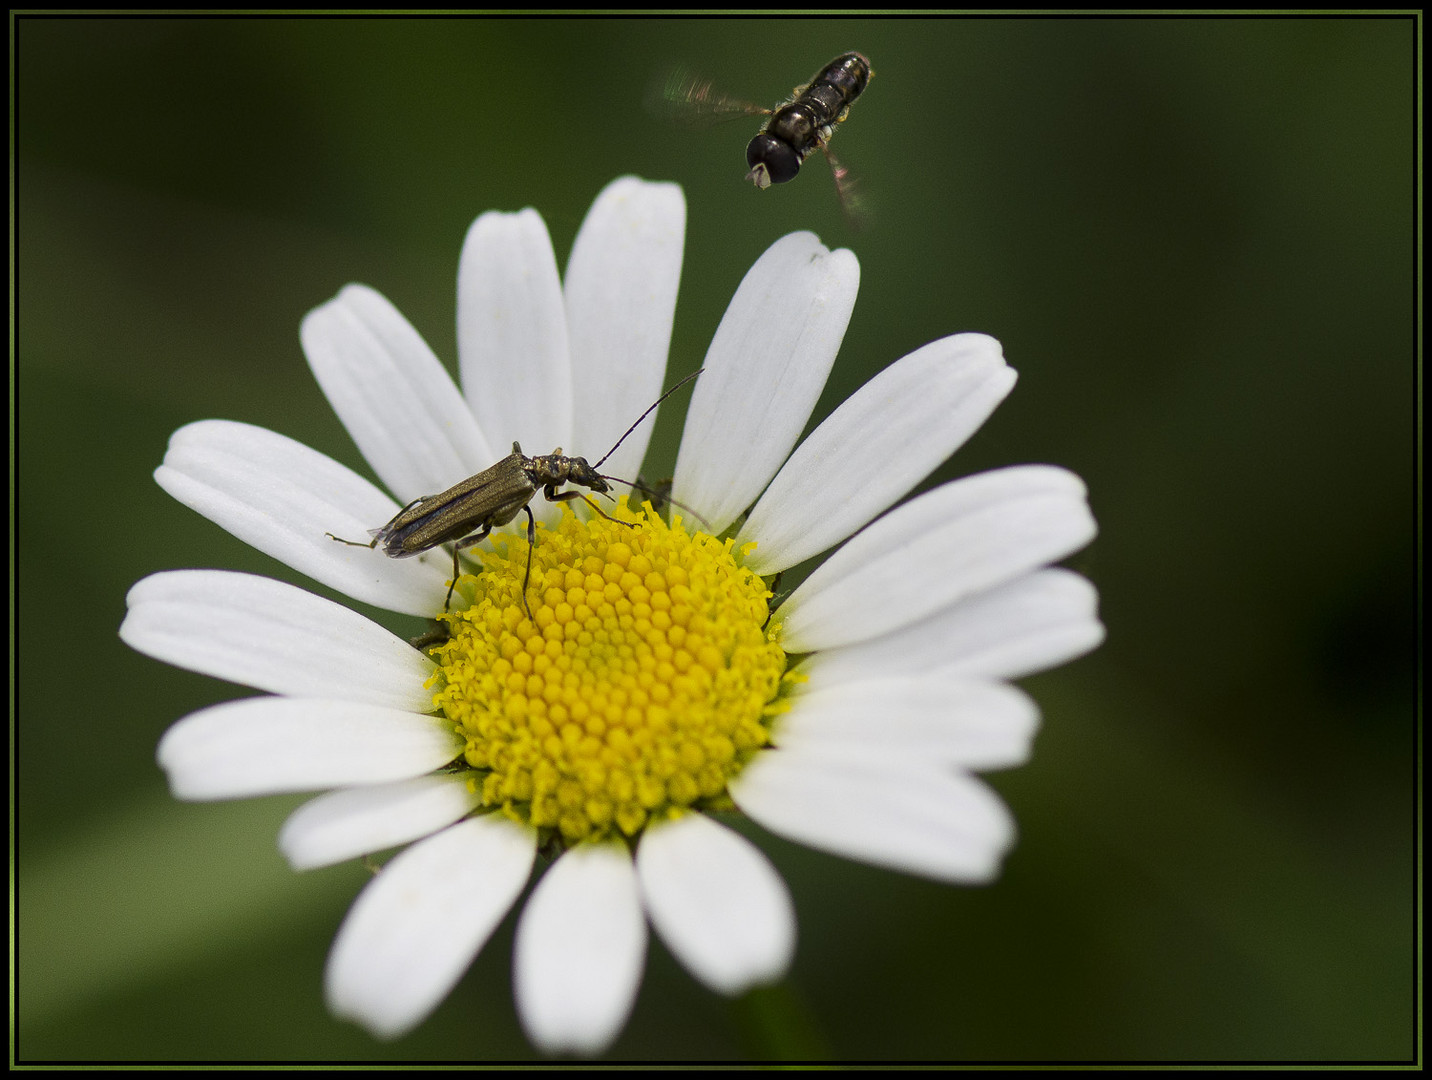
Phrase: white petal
x=275 y=637
x=763 y=373
x=952 y=721
x=1035 y=622
x=393 y=395
x=512 y=333
x=416 y=927
x=949 y=543
x=621 y=298
x=581 y=943
x=886 y=438
x=717 y=902
x=912 y=817
x=261 y=746
x=282 y=498
x=359 y=821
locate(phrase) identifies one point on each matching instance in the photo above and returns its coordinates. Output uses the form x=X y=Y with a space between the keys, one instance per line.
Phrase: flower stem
x=777 y=1024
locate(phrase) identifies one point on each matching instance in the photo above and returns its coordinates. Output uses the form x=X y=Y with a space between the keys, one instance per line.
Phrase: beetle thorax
x=557 y=468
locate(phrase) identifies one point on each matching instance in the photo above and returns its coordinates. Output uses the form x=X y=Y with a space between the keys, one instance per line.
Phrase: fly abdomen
x=848 y=74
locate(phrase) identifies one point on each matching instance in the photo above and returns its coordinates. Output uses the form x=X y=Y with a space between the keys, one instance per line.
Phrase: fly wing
x=847 y=189
x=683 y=97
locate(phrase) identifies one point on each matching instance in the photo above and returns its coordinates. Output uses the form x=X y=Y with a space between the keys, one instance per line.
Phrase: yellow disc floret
x=643 y=682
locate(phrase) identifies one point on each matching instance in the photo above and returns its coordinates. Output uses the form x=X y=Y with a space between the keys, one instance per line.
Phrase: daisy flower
x=652 y=685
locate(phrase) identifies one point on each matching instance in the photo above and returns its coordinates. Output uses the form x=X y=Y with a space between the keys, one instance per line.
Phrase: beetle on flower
x=647 y=686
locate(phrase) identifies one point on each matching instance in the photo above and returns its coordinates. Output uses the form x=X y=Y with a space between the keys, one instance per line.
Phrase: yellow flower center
x=644 y=681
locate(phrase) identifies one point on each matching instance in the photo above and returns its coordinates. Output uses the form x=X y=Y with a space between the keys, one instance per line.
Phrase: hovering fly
x=803 y=123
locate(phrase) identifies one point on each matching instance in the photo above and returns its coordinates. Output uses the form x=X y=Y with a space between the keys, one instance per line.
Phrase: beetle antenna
x=656 y=495
x=644 y=415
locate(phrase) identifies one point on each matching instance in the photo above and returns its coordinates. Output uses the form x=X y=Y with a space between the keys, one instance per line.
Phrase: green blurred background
x=1195 y=240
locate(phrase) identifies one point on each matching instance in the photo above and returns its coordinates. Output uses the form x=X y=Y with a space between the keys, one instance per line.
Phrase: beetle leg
x=553 y=495
x=527 y=576
x=433 y=635
x=466 y=542
x=379 y=534
x=356 y=543
x=771 y=604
